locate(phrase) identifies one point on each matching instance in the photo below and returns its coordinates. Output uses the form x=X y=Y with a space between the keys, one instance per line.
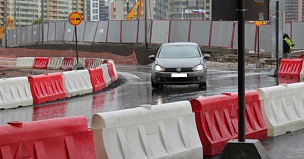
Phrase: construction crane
x=137 y=5
x=10 y=22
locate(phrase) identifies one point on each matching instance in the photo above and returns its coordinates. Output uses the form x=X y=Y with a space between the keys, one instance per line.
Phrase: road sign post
x=258 y=24
x=75 y=19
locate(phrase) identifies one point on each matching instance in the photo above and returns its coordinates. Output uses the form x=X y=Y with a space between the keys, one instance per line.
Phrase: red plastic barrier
x=111 y=71
x=96 y=76
x=67 y=63
x=301 y=56
x=63 y=138
x=217 y=120
x=288 y=80
x=46 y=87
x=88 y=63
x=41 y=62
x=290 y=68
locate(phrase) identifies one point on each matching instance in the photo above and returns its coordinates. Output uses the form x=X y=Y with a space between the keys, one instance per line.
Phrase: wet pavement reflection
x=136 y=91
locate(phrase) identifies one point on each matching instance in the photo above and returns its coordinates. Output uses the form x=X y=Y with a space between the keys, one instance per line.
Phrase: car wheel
x=201 y=85
x=154 y=85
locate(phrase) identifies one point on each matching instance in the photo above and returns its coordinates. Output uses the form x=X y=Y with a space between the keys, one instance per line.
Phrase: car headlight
x=159 y=68
x=198 y=67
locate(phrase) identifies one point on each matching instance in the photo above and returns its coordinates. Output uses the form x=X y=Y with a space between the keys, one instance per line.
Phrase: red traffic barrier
x=217 y=120
x=67 y=63
x=88 y=63
x=111 y=71
x=96 y=76
x=301 y=56
x=46 y=87
x=41 y=62
x=63 y=138
x=288 y=80
x=290 y=68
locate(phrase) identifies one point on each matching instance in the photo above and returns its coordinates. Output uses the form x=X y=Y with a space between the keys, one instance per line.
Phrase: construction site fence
x=205 y=33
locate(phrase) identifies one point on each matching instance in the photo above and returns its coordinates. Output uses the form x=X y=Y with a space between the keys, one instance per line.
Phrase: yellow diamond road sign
x=75 y=18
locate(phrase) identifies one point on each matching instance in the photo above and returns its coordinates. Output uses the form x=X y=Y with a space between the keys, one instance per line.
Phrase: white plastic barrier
x=114 y=69
x=283 y=108
x=15 y=92
x=159 y=131
x=106 y=75
x=55 y=63
x=25 y=62
x=80 y=60
x=77 y=82
x=97 y=62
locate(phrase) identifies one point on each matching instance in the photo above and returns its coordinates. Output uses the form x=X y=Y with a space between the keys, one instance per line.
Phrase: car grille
x=174 y=70
x=185 y=79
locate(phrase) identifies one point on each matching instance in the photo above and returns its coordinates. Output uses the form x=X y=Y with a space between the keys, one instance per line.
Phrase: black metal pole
x=76 y=44
x=241 y=69
x=277 y=34
x=42 y=22
x=258 y=42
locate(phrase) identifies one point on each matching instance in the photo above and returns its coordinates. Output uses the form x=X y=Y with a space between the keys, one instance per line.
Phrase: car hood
x=178 y=62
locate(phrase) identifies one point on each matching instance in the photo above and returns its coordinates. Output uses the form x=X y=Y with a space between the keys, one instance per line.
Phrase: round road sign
x=75 y=18
x=258 y=23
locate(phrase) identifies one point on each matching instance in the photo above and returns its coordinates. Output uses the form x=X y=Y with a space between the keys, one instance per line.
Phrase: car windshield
x=179 y=51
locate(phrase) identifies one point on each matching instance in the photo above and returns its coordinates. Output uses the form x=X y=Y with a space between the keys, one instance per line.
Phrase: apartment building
x=2 y=12
x=186 y=9
x=24 y=12
x=293 y=11
x=156 y=9
x=98 y=10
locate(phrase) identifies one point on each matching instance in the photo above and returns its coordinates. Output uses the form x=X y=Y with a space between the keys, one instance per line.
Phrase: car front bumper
x=196 y=77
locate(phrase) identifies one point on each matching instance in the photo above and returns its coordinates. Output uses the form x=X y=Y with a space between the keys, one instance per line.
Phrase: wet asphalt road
x=133 y=89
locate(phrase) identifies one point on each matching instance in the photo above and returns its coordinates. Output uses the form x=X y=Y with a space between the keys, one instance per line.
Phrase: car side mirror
x=207 y=56
x=152 y=57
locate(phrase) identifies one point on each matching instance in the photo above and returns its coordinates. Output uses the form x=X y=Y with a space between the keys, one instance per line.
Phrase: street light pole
x=146 y=25
x=42 y=23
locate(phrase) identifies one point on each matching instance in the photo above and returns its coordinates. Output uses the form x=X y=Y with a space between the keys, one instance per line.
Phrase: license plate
x=179 y=75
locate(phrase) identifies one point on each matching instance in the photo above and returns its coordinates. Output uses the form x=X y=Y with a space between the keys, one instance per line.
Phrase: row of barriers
x=37 y=89
x=205 y=33
x=183 y=129
x=56 y=63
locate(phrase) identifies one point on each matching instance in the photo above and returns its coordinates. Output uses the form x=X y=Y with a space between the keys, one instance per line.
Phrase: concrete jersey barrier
x=283 y=108
x=158 y=131
x=25 y=62
x=77 y=82
x=15 y=92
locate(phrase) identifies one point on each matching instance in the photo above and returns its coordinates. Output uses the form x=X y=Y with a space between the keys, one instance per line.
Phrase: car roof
x=180 y=43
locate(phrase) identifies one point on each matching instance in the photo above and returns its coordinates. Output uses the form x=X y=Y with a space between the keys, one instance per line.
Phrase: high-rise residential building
x=293 y=11
x=156 y=9
x=98 y=10
x=2 y=12
x=186 y=9
x=24 y=12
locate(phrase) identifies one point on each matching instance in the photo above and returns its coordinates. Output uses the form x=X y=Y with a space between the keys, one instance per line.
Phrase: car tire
x=154 y=85
x=202 y=85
